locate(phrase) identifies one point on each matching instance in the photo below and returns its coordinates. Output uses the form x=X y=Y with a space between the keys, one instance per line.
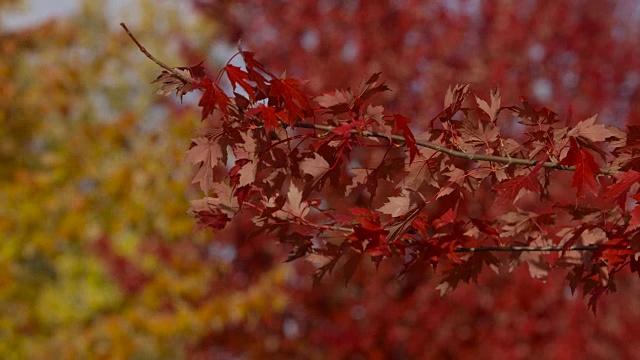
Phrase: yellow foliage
x=87 y=151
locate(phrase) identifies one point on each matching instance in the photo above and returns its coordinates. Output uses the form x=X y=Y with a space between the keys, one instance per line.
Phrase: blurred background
x=99 y=260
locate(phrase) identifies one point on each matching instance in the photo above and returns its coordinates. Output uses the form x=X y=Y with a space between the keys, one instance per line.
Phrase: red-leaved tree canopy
x=383 y=174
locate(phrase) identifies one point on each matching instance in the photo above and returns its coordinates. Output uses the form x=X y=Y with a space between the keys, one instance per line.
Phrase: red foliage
x=340 y=181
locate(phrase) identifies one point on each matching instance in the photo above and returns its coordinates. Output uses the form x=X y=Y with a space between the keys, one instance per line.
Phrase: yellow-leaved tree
x=98 y=259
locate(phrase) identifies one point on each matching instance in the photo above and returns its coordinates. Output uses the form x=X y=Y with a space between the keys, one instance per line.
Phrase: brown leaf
x=294 y=205
x=207 y=153
x=456 y=95
x=591 y=131
x=247 y=173
x=171 y=83
x=492 y=110
x=315 y=166
x=397 y=205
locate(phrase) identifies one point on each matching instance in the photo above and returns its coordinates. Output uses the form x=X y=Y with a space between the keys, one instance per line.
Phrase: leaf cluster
x=450 y=197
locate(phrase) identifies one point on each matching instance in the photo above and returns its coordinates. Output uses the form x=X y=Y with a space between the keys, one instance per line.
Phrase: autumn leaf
x=368 y=230
x=346 y=139
x=238 y=77
x=595 y=296
x=538 y=267
x=213 y=98
x=512 y=189
x=344 y=130
x=444 y=220
x=397 y=227
x=213 y=219
x=454 y=97
x=247 y=173
x=205 y=153
x=295 y=206
x=371 y=87
x=397 y=206
x=584 y=177
x=530 y=116
x=366 y=218
x=493 y=109
x=301 y=244
x=295 y=100
x=315 y=166
x=634 y=222
x=478 y=140
x=171 y=83
x=591 y=131
x=401 y=124
x=269 y=115
x=351 y=265
x=484 y=227
x=256 y=70
x=618 y=192
x=336 y=102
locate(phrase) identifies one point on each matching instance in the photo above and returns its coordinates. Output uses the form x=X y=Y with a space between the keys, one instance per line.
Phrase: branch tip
x=176 y=74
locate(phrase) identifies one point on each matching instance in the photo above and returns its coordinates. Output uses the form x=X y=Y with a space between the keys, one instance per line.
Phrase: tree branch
x=458 y=154
x=176 y=74
x=525 y=248
x=396 y=138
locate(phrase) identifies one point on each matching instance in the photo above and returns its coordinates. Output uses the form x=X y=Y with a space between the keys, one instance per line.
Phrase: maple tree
x=333 y=54
x=99 y=259
x=304 y=189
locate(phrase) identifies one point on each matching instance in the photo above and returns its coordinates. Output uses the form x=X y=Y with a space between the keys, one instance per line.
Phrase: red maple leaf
x=366 y=218
x=196 y=71
x=596 y=294
x=401 y=123
x=214 y=219
x=269 y=115
x=256 y=70
x=584 y=177
x=370 y=88
x=634 y=222
x=294 y=99
x=238 y=77
x=484 y=227
x=618 y=192
x=445 y=219
x=369 y=231
x=213 y=98
x=510 y=190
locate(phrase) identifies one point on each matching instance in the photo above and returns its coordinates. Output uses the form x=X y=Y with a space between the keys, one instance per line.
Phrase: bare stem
x=181 y=77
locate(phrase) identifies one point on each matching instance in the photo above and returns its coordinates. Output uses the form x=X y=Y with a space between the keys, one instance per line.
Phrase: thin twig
x=181 y=77
x=455 y=153
x=525 y=248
